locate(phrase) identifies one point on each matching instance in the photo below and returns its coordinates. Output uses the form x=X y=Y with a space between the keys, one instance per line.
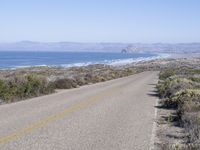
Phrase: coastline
x=19 y=83
x=73 y=77
x=117 y=59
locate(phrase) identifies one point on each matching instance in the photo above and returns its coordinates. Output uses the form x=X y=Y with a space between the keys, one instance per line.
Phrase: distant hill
x=62 y=46
x=101 y=47
x=163 y=48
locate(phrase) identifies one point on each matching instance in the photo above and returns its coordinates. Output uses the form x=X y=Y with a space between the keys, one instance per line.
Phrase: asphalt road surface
x=113 y=115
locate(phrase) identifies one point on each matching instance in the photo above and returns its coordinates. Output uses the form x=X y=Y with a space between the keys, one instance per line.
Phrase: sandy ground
x=113 y=115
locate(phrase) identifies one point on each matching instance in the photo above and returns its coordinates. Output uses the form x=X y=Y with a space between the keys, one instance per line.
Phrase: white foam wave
x=118 y=62
x=121 y=62
x=76 y=64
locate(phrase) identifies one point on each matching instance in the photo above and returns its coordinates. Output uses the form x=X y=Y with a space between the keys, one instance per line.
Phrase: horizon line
x=32 y=41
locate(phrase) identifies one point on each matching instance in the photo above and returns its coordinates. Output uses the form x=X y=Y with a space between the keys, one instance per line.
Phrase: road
x=113 y=115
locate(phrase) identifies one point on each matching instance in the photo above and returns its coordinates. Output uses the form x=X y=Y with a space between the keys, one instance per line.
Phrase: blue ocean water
x=67 y=59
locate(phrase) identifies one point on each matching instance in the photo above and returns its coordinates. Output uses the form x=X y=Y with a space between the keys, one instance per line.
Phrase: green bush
x=170 y=86
x=187 y=101
x=18 y=88
x=166 y=74
x=5 y=93
x=195 y=79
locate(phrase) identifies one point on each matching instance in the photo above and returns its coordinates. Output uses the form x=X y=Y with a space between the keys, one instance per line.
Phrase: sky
x=127 y=21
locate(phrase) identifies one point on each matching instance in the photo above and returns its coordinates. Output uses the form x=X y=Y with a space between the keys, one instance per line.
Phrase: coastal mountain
x=62 y=46
x=101 y=47
x=179 y=48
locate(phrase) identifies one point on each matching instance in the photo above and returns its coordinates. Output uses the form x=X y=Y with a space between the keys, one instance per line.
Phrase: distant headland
x=175 y=48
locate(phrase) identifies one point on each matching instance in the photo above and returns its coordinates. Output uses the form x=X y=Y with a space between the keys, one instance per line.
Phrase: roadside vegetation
x=20 y=84
x=22 y=87
x=179 y=89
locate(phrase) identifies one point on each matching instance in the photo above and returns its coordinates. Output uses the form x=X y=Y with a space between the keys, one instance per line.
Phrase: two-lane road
x=114 y=115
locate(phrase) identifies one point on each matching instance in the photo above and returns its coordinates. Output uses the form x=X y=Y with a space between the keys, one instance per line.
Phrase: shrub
x=4 y=91
x=170 y=86
x=80 y=81
x=193 y=71
x=191 y=122
x=195 y=79
x=39 y=85
x=187 y=101
x=65 y=83
x=166 y=74
x=180 y=90
x=22 y=87
x=182 y=97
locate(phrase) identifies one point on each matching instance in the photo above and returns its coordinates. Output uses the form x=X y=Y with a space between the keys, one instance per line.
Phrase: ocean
x=12 y=60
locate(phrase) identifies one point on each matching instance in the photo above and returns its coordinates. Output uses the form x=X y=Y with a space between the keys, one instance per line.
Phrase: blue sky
x=144 y=21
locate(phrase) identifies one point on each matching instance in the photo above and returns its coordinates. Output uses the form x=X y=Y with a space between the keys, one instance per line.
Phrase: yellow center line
x=34 y=126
